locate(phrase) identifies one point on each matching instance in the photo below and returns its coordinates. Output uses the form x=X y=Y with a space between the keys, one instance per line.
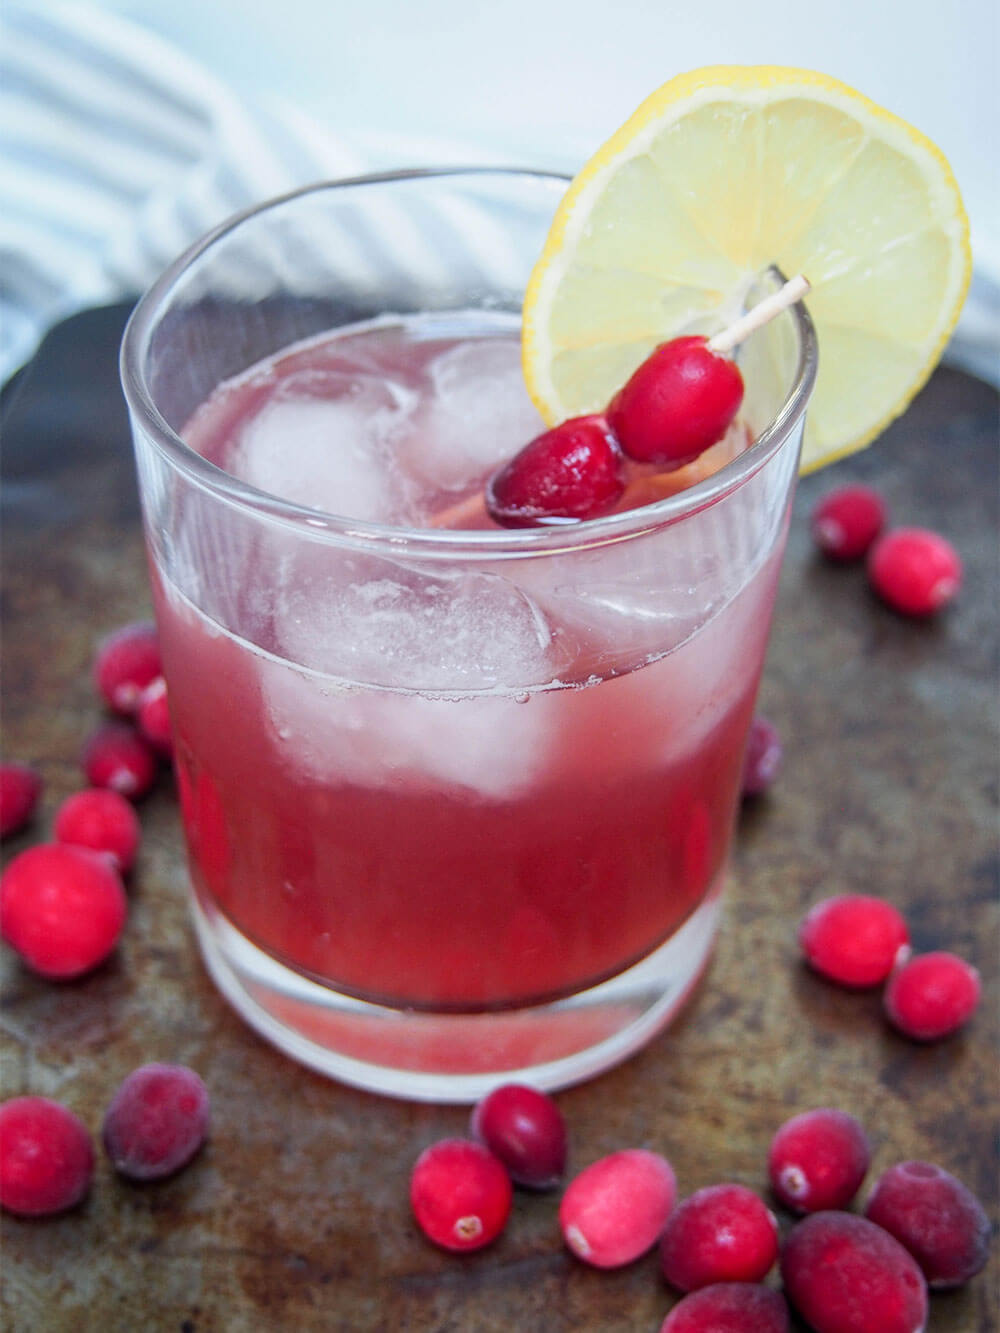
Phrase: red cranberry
x=153 y=717
x=932 y=995
x=101 y=820
x=818 y=1160
x=20 y=788
x=723 y=1233
x=729 y=1307
x=679 y=402
x=126 y=661
x=525 y=1129
x=616 y=1209
x=460 y=1194
x=846 y=1275
x=573 y=471
x=763 y=757
x=46 y=1157
x=116 y=756
x=156 y=1122
x=61 y=908
x=917 y=572
x=936 y=1218
x=846 y=521
x=854 y=939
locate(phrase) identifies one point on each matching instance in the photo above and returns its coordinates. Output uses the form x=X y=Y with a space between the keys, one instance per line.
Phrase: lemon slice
x=719 y=174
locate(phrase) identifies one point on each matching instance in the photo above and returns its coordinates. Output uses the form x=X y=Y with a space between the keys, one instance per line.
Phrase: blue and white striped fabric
x=117 y=151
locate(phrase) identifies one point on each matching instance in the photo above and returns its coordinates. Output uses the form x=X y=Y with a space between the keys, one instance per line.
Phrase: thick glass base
x=457 y=1057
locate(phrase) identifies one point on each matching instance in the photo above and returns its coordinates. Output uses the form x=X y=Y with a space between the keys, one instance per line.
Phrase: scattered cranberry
x=61 y=908
x=723 y=1233
x=153 y=717
x=20 y=788
x=102 y=820
x=932 y=995
x=729 y=1307
x=916 y=571
x=818 y=1160
x=156 y=1122
x=526 y=1130
x=616 y=1209
x=461 y=1194
x=846 y=521
x=846 y=1275
x=763 y=757
x=678 y=403
x=46 y=1157
x=116 y=756
x=573 y=471
x=854 y=939
x=936 y=1218
x=126 y=661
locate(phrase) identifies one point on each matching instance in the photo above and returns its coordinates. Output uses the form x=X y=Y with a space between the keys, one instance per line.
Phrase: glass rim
x=427 y=542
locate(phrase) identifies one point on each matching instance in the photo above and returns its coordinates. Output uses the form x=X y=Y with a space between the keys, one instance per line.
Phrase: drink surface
x=438 y=787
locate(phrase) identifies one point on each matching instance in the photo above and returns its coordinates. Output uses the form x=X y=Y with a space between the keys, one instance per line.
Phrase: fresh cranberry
x=156 y=1122
x=932 y=995
x=854 y=939
x=762 y=760
x=460 y=1194
x=818 y=1160
x=722 y=1233
x=116 y=756
x=573 y=471
x=61 y=908
x=915 y=571
x=729 y=1307
x=679 y=402
x=936 y=1218
x=846 y=1275
x=616 y=1209
x=153 y=717
x=46 y=1157
x=102 y=820
x=846 y=521
x=526 y=1130
x=125 y=663
x=20 y=788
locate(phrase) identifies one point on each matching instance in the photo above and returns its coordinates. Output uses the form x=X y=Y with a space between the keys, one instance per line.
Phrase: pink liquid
x=424 y=845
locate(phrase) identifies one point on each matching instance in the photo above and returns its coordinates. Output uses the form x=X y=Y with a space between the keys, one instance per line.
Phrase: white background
x=544 y=82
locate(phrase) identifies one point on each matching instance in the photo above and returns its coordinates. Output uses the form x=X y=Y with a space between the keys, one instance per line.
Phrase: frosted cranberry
x=526 y=1130
x=156 y=1122
x=116 y=756
x=762 y=760
x=20 y=788
x=846 y=1275
x=854 y=939
x=932 y=995
x=61 y=908
x=915 y=571
x=616 y=1209
x=126 y=661
x=818 y=1160
x=46 y=1157
x=723 y=1233
x=573 y=471
x=101 y=820
x=678 y=403
x=729 y=1307
x=846 y=521
x=460 y=1194
x=153 y=717
x=936 y=1218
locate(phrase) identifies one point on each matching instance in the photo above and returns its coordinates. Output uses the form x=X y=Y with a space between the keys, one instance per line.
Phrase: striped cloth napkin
x=117 y=152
